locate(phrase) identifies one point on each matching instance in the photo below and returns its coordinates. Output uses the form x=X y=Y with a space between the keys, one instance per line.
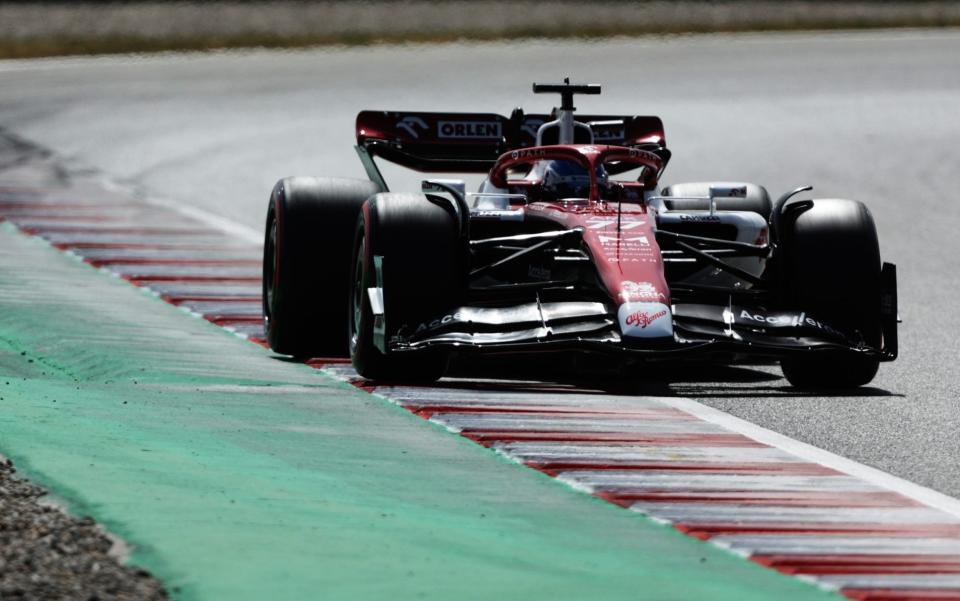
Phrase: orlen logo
x=530 y=127
x=645 y=320
x=601 y=134
x=411 y=123
x=468 y=129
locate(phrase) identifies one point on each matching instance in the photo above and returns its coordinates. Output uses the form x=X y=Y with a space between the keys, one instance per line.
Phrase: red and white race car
x=570 y=244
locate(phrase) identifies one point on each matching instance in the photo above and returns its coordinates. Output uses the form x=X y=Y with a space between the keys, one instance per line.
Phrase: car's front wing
x=593 y=326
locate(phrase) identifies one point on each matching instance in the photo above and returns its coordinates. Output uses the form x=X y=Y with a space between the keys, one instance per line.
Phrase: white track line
x=224 y=224
x=229 y=226
x=925 y=495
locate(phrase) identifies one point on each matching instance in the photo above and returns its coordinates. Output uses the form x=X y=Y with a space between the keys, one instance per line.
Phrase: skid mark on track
x=790 y=508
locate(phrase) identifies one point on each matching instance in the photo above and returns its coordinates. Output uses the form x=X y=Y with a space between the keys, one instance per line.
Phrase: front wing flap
x=593 y=326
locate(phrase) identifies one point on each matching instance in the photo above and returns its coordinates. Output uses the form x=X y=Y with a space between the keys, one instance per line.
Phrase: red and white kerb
x=780 y=503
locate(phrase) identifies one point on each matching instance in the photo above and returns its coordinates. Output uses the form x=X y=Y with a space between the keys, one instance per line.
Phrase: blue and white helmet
x=568 y=179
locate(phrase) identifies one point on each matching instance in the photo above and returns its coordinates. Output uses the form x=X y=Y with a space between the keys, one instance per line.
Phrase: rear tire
x=306 y=262
x=423 y=276
x=831 y=262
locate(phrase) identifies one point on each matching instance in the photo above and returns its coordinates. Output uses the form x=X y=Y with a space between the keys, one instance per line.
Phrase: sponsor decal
x=785 y=320
x=642 y=240
x=734 y=192
x=495 y=214
x=411 y=124
x=629 y=245
x=608 y=135
x=640 y=291
x=642 y=319
x=645 y=320
x=614 y=259
x=701 y=218
x=528 y=153
x=539 y=273
x=644 y=154
x=631 y=260
x=469 y=129
x=436 y=323
x=773 y=320
x=531 y=126
x=626 y=224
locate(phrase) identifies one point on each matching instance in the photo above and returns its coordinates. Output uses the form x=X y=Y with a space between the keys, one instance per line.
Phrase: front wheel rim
x=357 y=298
x=269 y=268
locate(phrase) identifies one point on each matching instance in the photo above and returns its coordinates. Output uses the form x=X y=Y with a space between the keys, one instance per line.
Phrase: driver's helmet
x=569 y=179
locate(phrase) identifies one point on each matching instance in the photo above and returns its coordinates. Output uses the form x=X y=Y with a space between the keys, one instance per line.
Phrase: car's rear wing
x=472 y=142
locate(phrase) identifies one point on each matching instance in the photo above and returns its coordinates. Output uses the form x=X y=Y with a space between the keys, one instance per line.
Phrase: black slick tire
x=422 y=275
x=830 y=257
x=306 y=263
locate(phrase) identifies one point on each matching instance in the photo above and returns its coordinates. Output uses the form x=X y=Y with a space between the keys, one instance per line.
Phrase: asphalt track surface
x=871 y=116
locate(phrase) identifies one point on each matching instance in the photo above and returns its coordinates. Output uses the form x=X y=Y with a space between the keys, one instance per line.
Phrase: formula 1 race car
x=570 y=244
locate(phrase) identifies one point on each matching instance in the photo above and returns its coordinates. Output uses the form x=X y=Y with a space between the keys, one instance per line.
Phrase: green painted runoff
x=237 y=475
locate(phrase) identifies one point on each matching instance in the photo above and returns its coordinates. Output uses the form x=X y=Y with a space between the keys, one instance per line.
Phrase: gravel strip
x=47 y=554
x=50 y=28
x=342 y=17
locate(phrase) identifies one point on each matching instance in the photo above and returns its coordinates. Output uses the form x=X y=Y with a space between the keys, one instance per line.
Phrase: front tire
x=831 y=263
x=422 y=276
x=306 y=259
